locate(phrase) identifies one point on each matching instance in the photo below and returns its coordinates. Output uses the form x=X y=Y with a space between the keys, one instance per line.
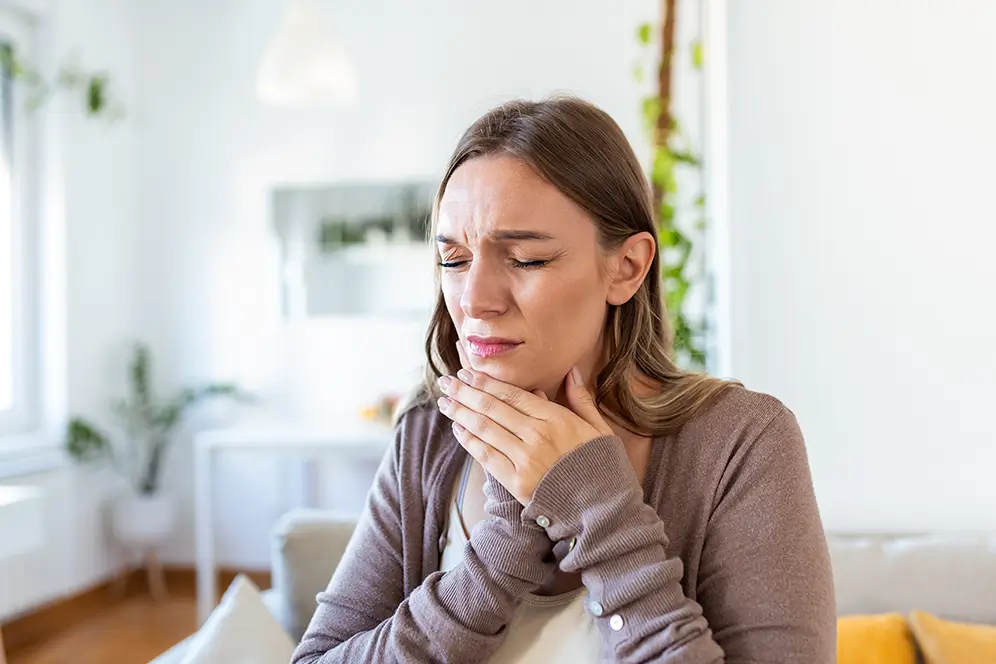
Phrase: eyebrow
x=503 y=236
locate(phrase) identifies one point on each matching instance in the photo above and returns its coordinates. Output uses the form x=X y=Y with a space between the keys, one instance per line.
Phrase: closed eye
x=529 y=264
x=515 y=263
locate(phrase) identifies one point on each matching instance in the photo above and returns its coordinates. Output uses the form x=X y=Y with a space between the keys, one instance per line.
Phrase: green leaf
x=667 y=213
x=662 y=173
x=698 y=54
x=96 y=94
x=685 y=157
x=140 y=370
x=668 y=237
x=638 y=73
x=643 y=33
x=84 y=442
x=651 y=111
x=700 y=200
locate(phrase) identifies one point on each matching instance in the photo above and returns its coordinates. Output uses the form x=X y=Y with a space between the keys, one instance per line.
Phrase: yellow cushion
x=944 y=642
x=881 y=639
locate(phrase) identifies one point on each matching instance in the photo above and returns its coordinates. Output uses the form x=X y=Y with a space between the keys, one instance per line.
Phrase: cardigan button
x=616 y=622
x=542 y=521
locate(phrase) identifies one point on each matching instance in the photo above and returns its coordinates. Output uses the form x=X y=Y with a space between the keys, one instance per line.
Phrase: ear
x=630 y=264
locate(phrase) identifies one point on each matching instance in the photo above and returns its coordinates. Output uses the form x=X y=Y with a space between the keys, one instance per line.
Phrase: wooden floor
x=134 y=631
x=114 y=624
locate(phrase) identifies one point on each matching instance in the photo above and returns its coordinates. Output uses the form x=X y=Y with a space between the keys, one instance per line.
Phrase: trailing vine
x=679 y=227
x=92 y=88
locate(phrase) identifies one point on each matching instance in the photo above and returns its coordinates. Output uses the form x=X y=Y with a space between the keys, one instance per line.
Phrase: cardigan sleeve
x=765 y=590
x=457 y=616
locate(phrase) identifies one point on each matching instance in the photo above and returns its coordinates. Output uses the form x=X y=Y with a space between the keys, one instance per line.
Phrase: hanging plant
x=679 y=228
x=91 y=88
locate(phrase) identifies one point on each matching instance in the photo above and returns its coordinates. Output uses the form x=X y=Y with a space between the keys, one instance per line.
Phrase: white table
x=345 y=440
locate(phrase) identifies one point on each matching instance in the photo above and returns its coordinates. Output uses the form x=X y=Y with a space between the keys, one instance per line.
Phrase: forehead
x=502 y=191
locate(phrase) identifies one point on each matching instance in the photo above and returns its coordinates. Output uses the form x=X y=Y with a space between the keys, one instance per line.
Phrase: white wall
x=209 y=153
x=864 y=283
x=100 y=303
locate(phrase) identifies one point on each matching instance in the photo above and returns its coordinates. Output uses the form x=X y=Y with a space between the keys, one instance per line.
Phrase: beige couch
x=952 y=576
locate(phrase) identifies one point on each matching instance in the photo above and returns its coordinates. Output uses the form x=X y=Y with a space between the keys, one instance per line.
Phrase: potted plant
x=144 y=516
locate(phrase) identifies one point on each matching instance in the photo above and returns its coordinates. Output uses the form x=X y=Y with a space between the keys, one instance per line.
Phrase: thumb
x=583 y=404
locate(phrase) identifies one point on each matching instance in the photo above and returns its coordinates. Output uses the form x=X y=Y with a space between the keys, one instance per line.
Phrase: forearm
x=620 y=547
x=457 y=616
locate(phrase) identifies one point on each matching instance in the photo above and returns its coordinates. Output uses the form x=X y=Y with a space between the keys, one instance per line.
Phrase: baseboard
x=182 y=581
x=56 y=616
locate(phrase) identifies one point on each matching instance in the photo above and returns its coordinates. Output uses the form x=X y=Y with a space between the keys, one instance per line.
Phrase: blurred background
x=214 y=281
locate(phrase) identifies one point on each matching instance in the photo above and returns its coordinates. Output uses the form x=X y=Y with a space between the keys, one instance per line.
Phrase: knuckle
x=482 y=425
x=486 y=407
x=511 y=398
x=544 y=432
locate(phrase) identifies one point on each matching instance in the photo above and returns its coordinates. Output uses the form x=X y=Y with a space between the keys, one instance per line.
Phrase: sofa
x=950 y=575
x=305 y=548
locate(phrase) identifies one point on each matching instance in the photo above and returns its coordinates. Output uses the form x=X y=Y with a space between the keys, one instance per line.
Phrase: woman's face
x=522 y=274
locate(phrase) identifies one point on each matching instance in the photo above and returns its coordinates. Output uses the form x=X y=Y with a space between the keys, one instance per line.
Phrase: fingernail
x=465 y=375
x=443 y=403
x=576 y=376
x=457 y=429
x=443 y=381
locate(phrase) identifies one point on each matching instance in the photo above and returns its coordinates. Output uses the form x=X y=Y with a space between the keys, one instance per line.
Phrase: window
x=6 y=245
x=19 y=329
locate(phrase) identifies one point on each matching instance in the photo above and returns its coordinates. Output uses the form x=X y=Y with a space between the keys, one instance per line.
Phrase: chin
x=507 y=371
x=515 y=373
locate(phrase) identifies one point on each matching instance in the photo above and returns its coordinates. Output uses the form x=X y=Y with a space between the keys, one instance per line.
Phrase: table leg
x=155 y=577
x=207 y=582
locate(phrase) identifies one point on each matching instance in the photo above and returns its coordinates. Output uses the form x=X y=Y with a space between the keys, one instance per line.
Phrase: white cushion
x=240 y=629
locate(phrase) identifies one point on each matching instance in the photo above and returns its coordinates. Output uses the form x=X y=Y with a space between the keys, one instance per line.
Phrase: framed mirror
x=355 y=249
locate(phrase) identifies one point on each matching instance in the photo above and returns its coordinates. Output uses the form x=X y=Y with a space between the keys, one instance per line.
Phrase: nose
x=483 y=293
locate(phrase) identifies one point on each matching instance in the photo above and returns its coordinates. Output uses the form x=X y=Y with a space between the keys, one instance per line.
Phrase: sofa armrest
x=306 y=546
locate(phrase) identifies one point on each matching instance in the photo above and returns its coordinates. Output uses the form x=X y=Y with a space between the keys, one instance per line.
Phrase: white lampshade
x=303 y=66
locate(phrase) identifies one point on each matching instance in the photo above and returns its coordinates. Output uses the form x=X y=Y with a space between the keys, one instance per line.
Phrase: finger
x=493 y=461
x=485 y=404
x=583 y=404
x=516 y=397
x=483 y=427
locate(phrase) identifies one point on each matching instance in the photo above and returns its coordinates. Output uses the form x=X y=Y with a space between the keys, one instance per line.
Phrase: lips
x=486 y=347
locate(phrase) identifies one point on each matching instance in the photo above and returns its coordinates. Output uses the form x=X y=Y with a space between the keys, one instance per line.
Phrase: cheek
x=568 y=302
x=452 y=292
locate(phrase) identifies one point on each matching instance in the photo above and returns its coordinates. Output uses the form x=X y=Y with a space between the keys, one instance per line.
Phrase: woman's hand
x=517 y=436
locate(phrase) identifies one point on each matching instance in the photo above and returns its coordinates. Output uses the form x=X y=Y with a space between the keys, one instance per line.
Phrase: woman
x=568 y=494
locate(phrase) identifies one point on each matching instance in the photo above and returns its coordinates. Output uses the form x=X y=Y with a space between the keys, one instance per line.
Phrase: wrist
x=594 y=481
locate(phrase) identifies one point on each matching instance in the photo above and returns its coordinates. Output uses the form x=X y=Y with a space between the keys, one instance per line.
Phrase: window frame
x=16 y=144
x=31 y=440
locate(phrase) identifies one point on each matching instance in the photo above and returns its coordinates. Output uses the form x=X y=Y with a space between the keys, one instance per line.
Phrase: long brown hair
x=579 y=149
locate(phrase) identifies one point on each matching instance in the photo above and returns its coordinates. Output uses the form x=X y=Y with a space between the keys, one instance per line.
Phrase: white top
x=543 y=630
